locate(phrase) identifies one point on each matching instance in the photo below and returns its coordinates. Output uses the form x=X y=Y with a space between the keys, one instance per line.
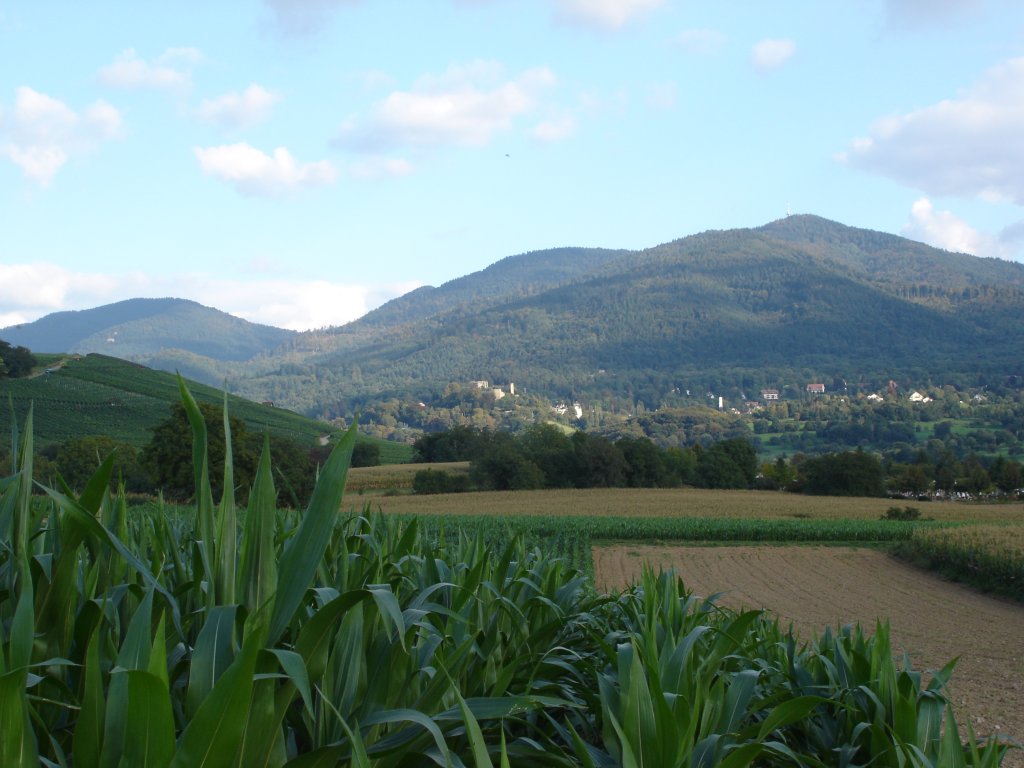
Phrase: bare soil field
x=813 y=587
x=674 y=502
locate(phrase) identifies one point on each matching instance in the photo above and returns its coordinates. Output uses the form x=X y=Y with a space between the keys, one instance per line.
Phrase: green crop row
x=211 y=636
x=571 y=536
x=987 y=556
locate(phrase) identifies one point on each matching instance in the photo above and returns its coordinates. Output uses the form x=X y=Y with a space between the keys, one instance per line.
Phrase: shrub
x=906 y=514
x=428 y=481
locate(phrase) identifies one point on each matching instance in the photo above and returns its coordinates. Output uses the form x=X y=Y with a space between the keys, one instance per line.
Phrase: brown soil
x=813 y=587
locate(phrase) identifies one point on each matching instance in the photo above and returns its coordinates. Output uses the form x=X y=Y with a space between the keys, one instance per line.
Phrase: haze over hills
x=800 y=299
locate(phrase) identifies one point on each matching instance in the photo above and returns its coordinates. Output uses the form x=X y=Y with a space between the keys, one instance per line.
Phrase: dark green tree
x=15 y=362
x=550 y=448
x=168 y=457
x=852 y=473
x=503 y=467
x=459 y=443
x=598 y=462
x=77 y=460
x=645 y=464
x=366 y=454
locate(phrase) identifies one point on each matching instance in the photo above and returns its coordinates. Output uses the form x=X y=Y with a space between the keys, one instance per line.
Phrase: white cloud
x=943 y=229
x=913 y=13
x=299 y=18
x=701 y=42
x=299 y=305
x=239 y=110
x=467 y=105
x=554 y=130
x=42 y=133
x=771 y=54
x=377 y=167
x=253 y=172
x=30 y=291
x=607 y=14
x=170 y=70
x=969 y=146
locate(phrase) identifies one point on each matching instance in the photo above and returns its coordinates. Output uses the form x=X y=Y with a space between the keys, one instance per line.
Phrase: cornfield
x=221 y=637
x=988 y=556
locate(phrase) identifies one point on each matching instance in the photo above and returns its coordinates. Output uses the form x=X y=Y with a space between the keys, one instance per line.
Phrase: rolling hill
x=145 y=329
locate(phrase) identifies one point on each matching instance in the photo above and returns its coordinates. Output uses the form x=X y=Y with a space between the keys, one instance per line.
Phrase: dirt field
x=812 y=587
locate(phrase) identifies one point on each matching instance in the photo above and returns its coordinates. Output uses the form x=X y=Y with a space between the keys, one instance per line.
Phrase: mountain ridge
x=799 y=297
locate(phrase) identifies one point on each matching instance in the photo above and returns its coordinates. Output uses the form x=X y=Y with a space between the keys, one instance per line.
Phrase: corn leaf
x=213 y=736
x=304 y=551
x=258 y=572
x=149 y=722
x=88 y=738
x=17 y=739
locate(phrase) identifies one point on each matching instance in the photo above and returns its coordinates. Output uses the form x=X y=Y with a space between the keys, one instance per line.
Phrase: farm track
x=812 y=587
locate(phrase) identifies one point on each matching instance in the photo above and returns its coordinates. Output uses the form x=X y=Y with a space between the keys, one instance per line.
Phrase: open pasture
x=933 y=620
x=685 y=502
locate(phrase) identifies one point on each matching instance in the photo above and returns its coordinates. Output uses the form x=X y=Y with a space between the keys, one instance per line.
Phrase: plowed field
x=932 y=619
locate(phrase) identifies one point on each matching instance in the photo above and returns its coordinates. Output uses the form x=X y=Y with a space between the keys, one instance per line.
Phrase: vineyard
x=98 y=395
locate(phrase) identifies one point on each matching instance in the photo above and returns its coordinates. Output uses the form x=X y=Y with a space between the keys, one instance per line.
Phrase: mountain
x=800 y=299
x=514 y=276
x=145 y=330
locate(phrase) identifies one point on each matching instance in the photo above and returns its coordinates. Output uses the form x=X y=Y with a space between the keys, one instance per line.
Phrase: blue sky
x=299 y=162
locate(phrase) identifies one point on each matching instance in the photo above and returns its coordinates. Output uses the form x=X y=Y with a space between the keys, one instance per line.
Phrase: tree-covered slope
x=513 y=277
x=802 y=297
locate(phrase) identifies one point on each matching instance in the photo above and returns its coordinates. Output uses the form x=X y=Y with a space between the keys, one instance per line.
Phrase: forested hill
x=513 y=277
x=801 y=299
x=143 y=329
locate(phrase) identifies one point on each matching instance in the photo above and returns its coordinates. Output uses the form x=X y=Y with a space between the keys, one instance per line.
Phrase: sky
x=300 y=162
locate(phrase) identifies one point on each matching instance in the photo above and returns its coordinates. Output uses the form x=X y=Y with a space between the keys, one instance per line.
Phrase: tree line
x=165 y=466
x=545 y=456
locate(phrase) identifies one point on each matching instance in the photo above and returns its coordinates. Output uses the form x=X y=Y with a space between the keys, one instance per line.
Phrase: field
x=395 y=477
x=685 y=502
x=814 y=587
x=167 y=636
x=810 y=586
